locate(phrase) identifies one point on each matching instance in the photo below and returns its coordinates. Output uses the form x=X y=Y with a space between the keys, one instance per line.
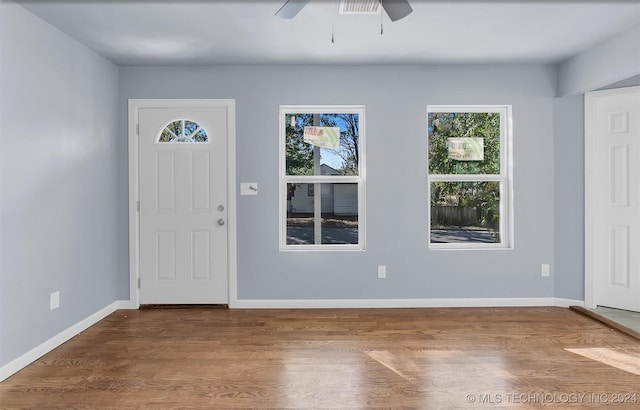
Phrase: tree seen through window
x=466 y=188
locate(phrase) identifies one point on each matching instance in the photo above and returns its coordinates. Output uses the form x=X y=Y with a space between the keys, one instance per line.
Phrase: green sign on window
x=325 y=137
x=466 y=149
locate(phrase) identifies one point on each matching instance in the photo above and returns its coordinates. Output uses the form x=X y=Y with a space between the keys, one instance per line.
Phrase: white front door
x=612 y=193
x=183 y=205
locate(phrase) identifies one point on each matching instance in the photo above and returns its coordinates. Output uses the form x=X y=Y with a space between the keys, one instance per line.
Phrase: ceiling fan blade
x=396 y=9
x=291 y=8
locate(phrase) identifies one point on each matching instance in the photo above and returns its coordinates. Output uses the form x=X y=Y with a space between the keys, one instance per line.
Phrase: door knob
x=220 y=221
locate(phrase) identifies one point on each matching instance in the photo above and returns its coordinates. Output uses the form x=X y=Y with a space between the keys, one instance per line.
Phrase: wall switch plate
x=544 y=271
x=249 y=188
x=54 y=300
x=382 y=272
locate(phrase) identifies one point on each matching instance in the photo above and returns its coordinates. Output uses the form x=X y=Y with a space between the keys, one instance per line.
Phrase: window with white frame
x=469 y=177
x=321 y=177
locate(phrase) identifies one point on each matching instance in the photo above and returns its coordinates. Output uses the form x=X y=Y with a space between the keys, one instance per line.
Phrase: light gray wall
x=629 y=82
x=614 y=63
x=396 y=99
x=569 y=191
x=58 y=181
x=615 y=59
x=569 y=197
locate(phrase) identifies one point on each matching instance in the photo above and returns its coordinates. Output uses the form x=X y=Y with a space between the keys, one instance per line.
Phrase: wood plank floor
x=335 y=359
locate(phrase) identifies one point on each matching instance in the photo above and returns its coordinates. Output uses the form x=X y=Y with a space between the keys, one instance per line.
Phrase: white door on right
x=612 y=192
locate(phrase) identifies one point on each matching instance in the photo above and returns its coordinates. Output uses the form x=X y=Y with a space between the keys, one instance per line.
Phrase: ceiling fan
x=395 y=9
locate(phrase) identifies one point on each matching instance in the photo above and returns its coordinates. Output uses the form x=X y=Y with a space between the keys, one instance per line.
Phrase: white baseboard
x=399 y=303
x=44 y=348
x=127 y=304
x=561 y=302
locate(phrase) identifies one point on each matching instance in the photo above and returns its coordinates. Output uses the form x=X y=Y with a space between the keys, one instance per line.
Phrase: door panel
x=201 y=182
x=183 y=188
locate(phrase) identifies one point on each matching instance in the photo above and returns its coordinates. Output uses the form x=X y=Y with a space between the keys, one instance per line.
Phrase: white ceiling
x=161 y=32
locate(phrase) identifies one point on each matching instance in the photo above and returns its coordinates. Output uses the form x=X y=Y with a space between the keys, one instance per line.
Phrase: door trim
x=590 y=100
x=134 y=189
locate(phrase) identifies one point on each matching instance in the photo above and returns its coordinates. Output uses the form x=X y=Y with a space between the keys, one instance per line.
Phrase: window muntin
x=183 y=130
x=469 y=177
x=322 y=184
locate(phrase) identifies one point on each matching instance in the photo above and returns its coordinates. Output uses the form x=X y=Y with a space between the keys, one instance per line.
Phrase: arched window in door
x=183 y=131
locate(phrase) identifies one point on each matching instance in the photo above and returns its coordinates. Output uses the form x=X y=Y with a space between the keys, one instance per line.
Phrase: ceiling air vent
x=359 y=6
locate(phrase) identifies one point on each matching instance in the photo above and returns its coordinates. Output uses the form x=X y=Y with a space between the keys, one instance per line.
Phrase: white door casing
x=183 y=236
x=612 y=198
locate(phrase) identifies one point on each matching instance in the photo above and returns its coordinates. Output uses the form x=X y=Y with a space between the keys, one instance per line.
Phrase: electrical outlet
x=544 y=271
x=382 y=272
x=54 y=300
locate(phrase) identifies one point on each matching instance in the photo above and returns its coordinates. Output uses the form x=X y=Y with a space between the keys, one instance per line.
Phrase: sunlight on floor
x=310 y=381
x=402 y=366
x=426 y=367
x=623 y=361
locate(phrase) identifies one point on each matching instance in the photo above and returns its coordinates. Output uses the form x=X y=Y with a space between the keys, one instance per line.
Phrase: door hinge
x=138 y=283
x=137 y=129
x=138 y=206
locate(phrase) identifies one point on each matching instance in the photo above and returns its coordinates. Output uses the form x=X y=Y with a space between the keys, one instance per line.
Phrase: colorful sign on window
x=466 y=149
x=325 y=137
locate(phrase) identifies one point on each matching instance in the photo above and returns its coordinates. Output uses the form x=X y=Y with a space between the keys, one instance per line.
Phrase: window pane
x=183 y=131
x=464 y=212
x=339 y=213
x=464 y=143
x=336 y=141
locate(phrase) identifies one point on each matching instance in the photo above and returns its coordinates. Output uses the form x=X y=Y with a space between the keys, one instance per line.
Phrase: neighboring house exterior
x=337 y=199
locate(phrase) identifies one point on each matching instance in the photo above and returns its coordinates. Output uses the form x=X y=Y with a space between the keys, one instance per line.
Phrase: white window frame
x=505 y=178
x=320 y=179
